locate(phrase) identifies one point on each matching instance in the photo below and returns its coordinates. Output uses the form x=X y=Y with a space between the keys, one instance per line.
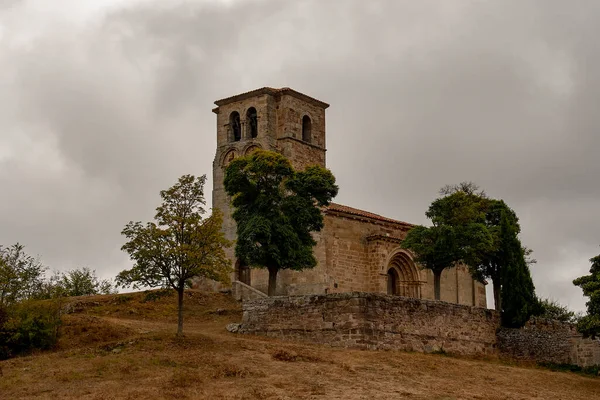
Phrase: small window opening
x=392 y=282
x=306 y=128
x=236 y=128
x=252 y=122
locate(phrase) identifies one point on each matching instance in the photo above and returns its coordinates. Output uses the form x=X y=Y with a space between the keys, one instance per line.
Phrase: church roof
x=273 y=92
x=339 y=208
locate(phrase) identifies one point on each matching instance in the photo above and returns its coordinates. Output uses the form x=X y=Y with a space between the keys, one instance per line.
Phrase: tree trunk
x=437 y=276
x=180 y=311
x=272 y=281
x=497 y=295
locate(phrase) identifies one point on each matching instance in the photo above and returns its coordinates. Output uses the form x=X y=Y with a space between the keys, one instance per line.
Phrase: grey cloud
x=422 y=93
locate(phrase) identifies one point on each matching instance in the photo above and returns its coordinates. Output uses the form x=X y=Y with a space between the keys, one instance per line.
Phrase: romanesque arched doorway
x=403 y=277
x=242 y=272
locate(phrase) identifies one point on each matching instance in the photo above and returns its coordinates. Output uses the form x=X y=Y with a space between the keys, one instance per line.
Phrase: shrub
x=28 y=326
x=155 y=295
x=122 y=299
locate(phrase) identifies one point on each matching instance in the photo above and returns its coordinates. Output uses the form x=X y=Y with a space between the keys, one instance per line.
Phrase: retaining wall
x=374 y=321
x=379 y=321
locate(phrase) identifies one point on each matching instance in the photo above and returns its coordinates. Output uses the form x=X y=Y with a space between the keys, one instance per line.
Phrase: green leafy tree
x=519 y=301
x=276 y=209
x=24 y=324
x=458 y=234
x=83 y=282
x=479 y=207
x=589 y=325
x=21 y=275
x=552 y=309
x=492 y=263
x=179 y=246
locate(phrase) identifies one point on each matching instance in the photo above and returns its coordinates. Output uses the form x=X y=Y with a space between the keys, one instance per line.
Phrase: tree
x=551 y=309
x=21 y=275
x=518 y=298
x=24 y=324
x=484 y=209
x=492 y=264
x=276 y=209
x=458 y=234
x=589 y=325
x=434 y=249
x=83 y=282
x=179 y=246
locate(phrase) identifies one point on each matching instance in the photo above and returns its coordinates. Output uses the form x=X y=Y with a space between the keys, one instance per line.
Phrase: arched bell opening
x=235 y=126
x=252 y=123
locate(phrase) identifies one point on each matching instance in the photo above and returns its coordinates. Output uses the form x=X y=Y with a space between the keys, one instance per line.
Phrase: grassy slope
x=121 y=347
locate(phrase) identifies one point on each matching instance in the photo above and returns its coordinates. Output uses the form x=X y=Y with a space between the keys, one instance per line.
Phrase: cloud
x=102 y=109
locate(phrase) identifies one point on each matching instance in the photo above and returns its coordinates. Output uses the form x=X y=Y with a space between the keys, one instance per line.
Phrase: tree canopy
x=21 y=275
x=469 y=227
x=179 y=246
x=589 y=325
x=276 y=209
x=458 y=234
x=552 y=309
x=518 y=298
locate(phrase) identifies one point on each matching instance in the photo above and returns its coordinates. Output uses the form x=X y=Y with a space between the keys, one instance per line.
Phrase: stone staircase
x=240 y=291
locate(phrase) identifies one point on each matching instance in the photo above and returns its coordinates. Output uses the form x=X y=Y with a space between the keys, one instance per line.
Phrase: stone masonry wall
x=374 y=321
x=585 y=351
x=379 y=321
x=543 y=340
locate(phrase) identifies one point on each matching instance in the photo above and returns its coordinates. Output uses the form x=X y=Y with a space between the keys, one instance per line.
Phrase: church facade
x=356 y=250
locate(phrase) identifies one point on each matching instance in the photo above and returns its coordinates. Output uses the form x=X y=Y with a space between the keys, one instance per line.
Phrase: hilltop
x=123 y=346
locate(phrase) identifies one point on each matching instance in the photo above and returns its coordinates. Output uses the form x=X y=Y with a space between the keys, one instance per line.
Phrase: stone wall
x=540 y=340
x=379 y=321
x=585 y=351
x=549 y=341
x=374 y=321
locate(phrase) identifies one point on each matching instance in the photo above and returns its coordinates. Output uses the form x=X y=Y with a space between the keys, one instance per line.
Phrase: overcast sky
x=105 y=103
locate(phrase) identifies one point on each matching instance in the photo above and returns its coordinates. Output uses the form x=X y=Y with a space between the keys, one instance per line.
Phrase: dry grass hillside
x=123 y=347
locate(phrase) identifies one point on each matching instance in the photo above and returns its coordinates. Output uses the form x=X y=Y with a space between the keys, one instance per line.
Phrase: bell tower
x=281 y=120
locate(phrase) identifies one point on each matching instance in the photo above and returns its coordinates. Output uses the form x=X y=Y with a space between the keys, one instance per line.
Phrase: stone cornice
x=314 y=146
x=272 y=92
x=392 y=239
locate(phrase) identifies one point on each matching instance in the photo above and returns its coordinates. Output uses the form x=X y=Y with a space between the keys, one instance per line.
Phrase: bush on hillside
x=27 y=326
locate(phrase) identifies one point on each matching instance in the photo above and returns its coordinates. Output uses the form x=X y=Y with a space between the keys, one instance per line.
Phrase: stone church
x=357 y=250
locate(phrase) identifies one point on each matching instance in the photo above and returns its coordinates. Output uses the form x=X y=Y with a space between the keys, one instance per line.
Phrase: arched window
x=252 y=122
x=236 y=127
x=306 y=128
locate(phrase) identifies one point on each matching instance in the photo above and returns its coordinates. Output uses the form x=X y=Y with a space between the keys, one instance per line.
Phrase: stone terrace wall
x=374 y=321
x=585 y=352
x=538 y=340
x=379 y=321
x=543 y=340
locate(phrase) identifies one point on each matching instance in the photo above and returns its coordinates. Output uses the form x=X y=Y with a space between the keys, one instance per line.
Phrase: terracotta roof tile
x=361 y=213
